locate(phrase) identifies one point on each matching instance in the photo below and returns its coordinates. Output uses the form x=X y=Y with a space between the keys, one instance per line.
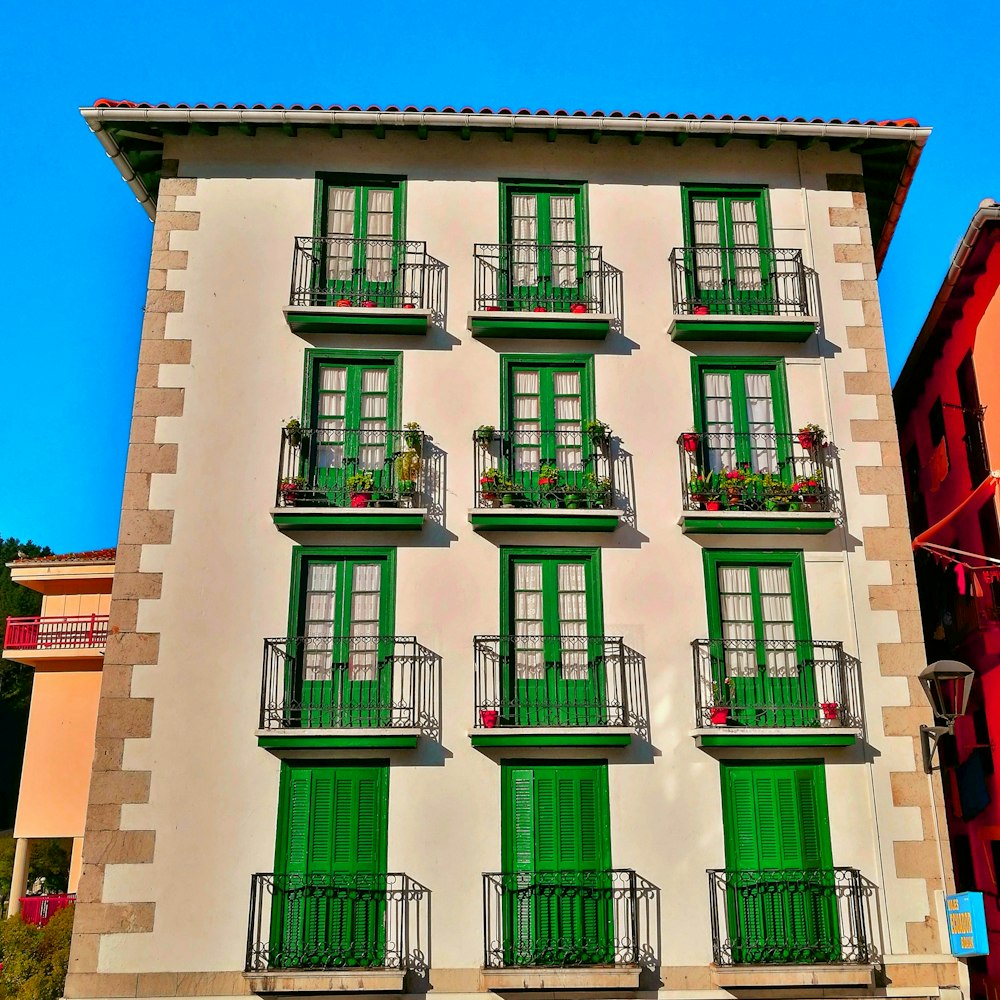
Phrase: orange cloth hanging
x=938 y=466
x=989 y=485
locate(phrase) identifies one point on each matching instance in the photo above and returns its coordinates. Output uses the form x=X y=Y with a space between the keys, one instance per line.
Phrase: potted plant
x=690 y=440
x=700 y=487
x=573 y=498
x=361 y=485
x=484 y=433
x=511 y=494
x=343 y=303
x=733 y=482
x=713 y=502
x=598 y=489
x=489 y=484
x=831 y=711
x=548 y=480
x=578 y=307
x=808 y=489
x=412 y=436
x=539 y=309
x=722 y=696
x=811 y=436
x=409 y=305
x=598 y=432
x=699 y=309
x=489 y=717
x=293 y=431
x=289 y=490
x=368 y=304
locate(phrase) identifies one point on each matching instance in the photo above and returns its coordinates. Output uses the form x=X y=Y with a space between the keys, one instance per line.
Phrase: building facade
x=513 y=521
x=948 y=407
x=65 y=647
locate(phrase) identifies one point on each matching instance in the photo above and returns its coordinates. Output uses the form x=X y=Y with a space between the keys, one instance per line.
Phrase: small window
x=914 y=496
x=961 y=852
x=936 y=419
x=995 y=858
x=972 y=418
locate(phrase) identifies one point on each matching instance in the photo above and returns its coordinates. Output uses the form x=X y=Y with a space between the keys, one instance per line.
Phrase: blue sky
x=76 y=244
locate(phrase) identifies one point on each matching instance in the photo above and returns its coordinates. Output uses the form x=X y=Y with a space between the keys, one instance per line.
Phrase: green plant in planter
x=490 y=484
x=361 y=482
x=598 y=432
x=811 y=436
x=290 y=488
x=808 y=489
x=511 y=495
x=408 y=465
x=412 y=436
x=293 y=429
x=598 y=489
x=485 y=433
x=407 y=487
x=701 y=486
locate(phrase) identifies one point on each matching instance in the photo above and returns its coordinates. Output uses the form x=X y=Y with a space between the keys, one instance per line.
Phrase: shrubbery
x=35 y=959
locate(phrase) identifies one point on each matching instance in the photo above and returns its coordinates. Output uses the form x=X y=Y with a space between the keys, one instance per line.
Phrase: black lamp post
x=947 y=685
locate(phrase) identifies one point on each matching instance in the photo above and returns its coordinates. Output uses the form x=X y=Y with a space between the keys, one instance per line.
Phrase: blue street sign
x=967 y=923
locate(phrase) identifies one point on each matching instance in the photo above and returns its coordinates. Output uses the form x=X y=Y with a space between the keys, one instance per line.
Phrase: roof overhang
x=133 y=136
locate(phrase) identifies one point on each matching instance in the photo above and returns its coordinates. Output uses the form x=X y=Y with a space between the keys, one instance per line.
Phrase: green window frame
x=770 y=685
x=562 y=680
x=328 y=904
x=780 y=898
x=727 y=233
x=757 y=445
x=541 y=260
x=556 y=861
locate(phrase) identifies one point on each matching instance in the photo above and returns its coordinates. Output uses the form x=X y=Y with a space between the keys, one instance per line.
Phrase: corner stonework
x=121 y=716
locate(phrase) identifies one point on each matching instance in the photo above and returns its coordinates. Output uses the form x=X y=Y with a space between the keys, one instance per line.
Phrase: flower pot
x=484 y=437
x=508 y=499
x=573 y=501
x=539 y=309
x=700 y=310
x=289 y=495
x=690 y=441
x=699 y=497
x=488 y=717
x=719 y=715
x=831 y=711
x=807 y=440
x=577 y=307
x=343 y=303
x=713 y=505
x=409 y=305
x=368 y=304
x=361 y=499
x=491 y=309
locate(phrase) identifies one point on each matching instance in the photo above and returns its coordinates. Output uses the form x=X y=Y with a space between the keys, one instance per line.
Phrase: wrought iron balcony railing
x=565 y=919
x=567 y=469
x=774 y=683
x=333 y=270
x=725 y=471
x=739 y=281
x=555 y=681
x=808 y=916
x=57 y=632
x=331 y=466
x=336 y=921
x=548 y=277
x=346 y=682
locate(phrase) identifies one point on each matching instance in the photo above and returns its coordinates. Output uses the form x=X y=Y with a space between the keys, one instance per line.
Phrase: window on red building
x=968 y=397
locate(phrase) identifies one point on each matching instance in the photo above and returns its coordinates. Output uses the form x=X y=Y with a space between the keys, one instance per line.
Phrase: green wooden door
x=546 y=266
x=354 y=407
x=762 y=655
x=743 y=419
x=547 y=408
x=344 y=671
x=781 y=899
x=558 y=906
x=556 y=671
x=361 y=257
x=328 y=909
x=728 y=267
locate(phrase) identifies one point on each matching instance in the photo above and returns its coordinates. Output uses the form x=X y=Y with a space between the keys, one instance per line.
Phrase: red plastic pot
x=289 y=494
x=489 y=717
x=491 y=309
x=690 y=441
x=577 y=307
x=368 y=304
x=342 y=303
x=719 y=715
x=831 y=710
x=807 y=439
x=713 y=505
x=701 y=310
x=539 y=309
x=361 y=499
x=409 y=305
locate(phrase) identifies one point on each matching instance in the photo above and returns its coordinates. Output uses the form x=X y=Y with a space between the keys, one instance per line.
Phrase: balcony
x=34 y=640
x=740 y=293
x=757 y=484
x=567 y=691
x=320 y=694
x=566 y=929
x=791 y=927
x=362 y=286
x=322 y=933
x=561 y=480
x=774 y=692
x=544 y=291
x=331 y=478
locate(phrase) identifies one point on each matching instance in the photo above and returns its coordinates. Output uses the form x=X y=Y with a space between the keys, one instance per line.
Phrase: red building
x=947 y=402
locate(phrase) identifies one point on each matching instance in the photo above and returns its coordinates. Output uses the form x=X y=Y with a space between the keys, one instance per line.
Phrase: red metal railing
x=39 y=910
x=65 y=632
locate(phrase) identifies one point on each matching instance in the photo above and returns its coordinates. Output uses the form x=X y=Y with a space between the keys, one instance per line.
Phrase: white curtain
x=527 y=421
x=721 y=444
x=736 y=605
x=569 y=420
x=321 y=596
x=562 y=213
x=779 y=626
x=374 y=411
x=573 y=620
x=340 y=223
x=529 y=655
x=378 y=249
x=330 y=441
x=760 y=422
x=365 y=599
x=705 y=214
x=746 y=259
x=524 y=235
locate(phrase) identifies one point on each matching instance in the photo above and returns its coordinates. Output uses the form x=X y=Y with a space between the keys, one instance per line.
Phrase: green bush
x=35 y=959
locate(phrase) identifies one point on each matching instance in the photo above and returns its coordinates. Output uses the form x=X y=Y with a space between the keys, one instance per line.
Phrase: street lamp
x=947 y=685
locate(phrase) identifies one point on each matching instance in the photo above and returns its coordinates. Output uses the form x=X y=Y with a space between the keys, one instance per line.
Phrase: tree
x=15 y=678
x=35 y=959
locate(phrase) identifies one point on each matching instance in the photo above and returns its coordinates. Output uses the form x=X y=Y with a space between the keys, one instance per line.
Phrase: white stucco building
x=513 y=589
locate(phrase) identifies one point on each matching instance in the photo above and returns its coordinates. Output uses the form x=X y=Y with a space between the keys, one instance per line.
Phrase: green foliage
x=35 y=959
x=49 y=859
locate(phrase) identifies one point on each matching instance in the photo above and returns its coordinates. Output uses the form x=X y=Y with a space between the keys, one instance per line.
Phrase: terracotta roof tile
x=93 y=556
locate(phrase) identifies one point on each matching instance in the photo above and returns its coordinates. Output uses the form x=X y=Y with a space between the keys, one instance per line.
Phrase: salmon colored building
x=947 y=402
x=65 y=646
